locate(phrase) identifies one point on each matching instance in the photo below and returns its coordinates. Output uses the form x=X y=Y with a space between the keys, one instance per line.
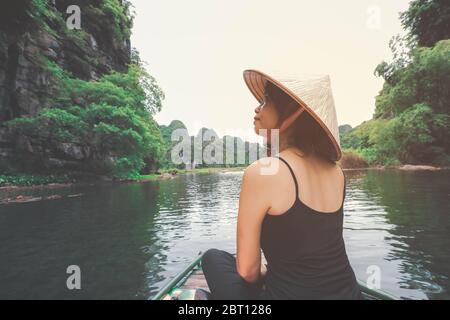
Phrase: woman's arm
x=254 y=201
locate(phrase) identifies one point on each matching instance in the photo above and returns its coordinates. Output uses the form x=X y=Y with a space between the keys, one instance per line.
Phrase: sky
x=198 y=49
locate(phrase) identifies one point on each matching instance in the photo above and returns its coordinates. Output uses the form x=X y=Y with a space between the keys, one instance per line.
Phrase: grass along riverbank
x=25 y=181
x=171 y=173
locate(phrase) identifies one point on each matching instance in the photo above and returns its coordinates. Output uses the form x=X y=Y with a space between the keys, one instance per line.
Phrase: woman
x=295 y=215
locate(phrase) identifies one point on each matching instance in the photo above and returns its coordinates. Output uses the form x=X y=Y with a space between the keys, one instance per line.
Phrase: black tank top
x=305 y=253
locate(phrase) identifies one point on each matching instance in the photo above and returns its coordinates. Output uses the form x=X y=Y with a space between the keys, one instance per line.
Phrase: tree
x=420 y=135
x=427 y=21
x=425 y=80
x=111 y=118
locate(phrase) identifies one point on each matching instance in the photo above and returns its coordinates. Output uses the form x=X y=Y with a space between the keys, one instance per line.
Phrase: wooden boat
x=190 y=284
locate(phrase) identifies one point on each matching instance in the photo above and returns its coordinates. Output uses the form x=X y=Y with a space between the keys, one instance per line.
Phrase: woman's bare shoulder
x=262 y=164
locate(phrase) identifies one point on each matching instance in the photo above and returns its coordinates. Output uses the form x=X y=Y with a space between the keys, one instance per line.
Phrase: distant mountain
x=206 y=134
x=166 y=131
x=343 y=129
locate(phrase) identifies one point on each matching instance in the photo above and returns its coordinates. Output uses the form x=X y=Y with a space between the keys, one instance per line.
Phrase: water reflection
x=415 y=206
x=129 y=239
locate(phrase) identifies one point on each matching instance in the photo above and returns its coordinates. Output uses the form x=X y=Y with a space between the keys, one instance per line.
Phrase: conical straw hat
x=310 y=91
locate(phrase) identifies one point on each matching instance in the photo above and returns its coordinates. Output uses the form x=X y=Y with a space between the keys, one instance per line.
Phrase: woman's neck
x=283 y=145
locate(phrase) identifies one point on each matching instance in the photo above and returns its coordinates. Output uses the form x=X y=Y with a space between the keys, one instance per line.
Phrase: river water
x=129 y=239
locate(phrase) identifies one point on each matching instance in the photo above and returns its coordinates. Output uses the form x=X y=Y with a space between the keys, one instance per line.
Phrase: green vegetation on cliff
x=109 y=120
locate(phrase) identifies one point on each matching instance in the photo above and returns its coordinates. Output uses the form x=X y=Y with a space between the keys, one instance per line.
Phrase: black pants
x=224 y=281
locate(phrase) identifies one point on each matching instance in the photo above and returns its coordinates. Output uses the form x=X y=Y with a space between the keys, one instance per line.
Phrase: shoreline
x=166 y=174
x=174 y=173
x=403 y=167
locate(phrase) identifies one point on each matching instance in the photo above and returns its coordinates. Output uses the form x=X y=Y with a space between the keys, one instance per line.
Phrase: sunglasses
x=266 y=99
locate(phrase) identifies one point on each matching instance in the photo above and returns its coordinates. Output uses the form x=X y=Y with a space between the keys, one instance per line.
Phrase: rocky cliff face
x=33 y=32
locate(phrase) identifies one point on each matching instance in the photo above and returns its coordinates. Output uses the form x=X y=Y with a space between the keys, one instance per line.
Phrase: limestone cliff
x=35 y=31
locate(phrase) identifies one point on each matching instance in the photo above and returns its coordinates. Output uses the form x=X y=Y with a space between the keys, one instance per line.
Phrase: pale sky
x=198 y=49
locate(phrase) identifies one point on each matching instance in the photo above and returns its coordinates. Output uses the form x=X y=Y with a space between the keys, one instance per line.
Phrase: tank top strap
x=292 y=173
x=295 y=179
x=345 y=182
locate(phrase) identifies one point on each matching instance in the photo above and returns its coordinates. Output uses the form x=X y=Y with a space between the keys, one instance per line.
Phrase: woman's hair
x=304 y=133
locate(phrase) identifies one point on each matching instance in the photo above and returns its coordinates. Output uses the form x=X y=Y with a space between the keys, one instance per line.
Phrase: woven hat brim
x=255 y=81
